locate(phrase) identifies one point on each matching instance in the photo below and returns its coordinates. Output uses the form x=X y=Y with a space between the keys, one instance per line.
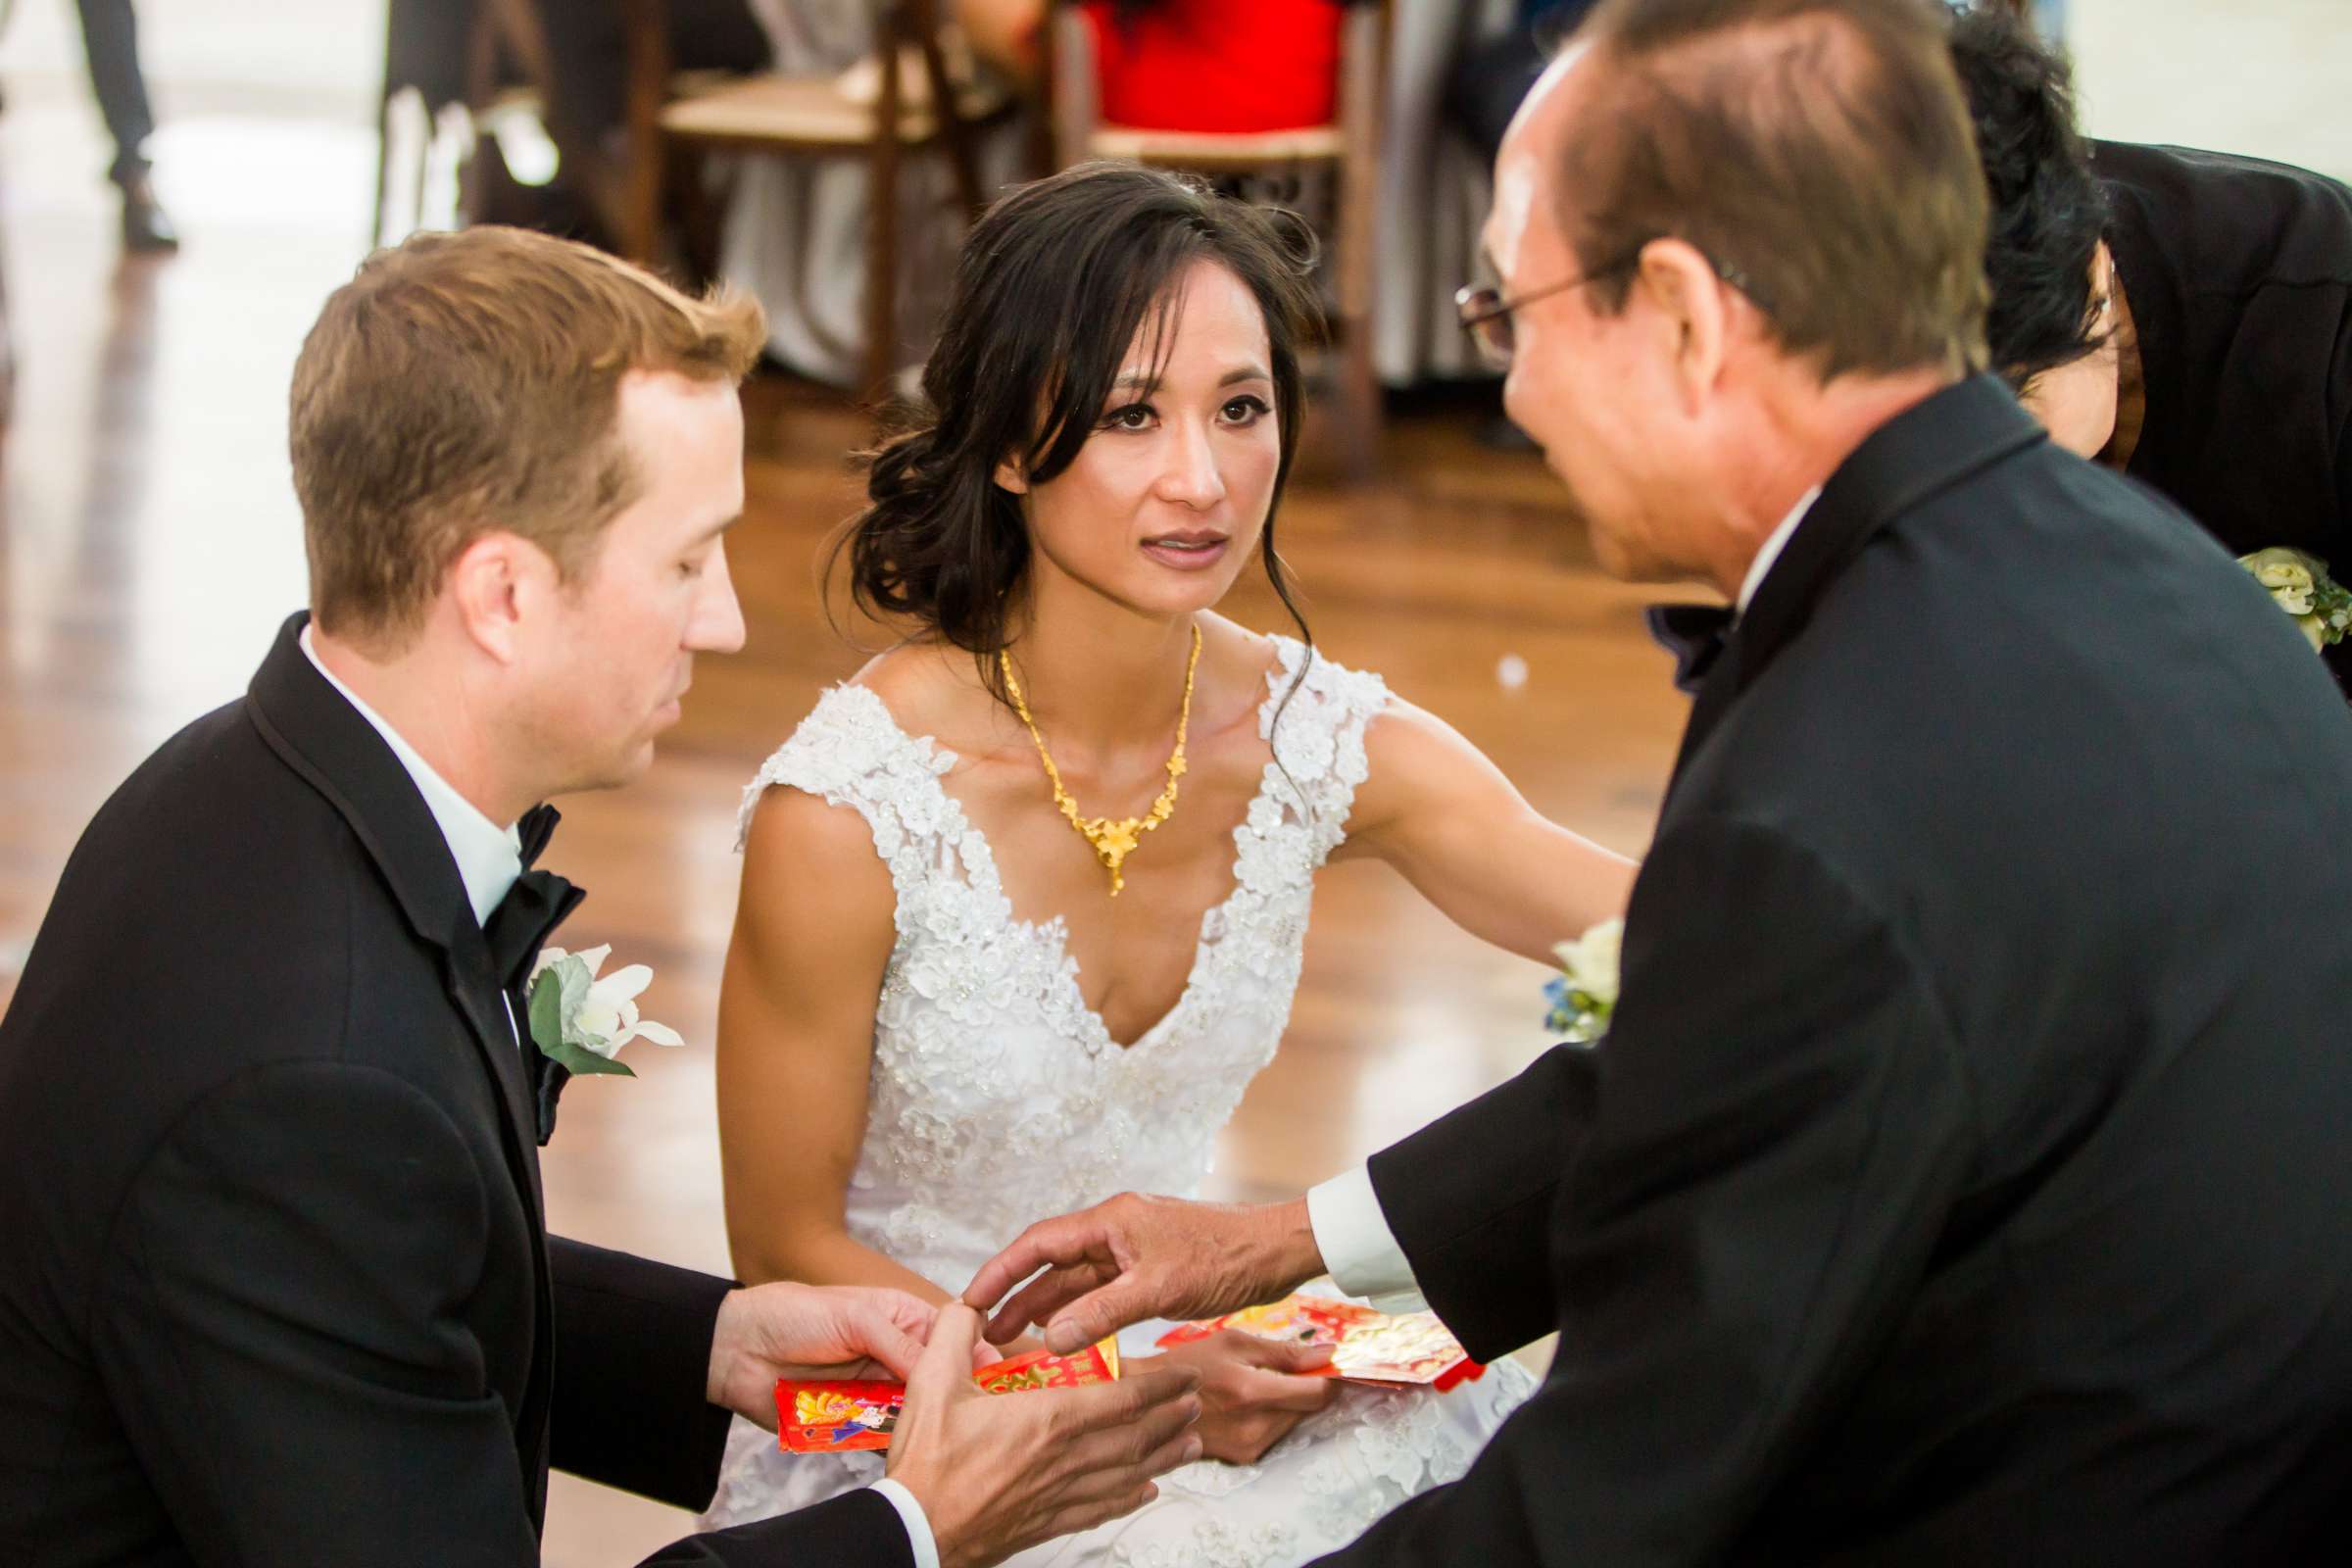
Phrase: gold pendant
x=1112 y=842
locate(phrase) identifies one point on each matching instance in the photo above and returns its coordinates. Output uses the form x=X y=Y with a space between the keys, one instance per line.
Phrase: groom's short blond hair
x=466 y=382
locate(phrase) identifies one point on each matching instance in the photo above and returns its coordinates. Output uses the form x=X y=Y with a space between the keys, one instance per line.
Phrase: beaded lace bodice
x=996 y=1095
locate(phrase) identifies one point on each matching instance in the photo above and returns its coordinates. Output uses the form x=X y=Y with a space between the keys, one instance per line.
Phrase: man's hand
x=777 y=1331
x=996 y=1474
x=1134 y=1258
x=1252 y=1390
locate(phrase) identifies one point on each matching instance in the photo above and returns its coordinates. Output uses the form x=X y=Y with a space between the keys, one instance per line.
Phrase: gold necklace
x=1112 y=841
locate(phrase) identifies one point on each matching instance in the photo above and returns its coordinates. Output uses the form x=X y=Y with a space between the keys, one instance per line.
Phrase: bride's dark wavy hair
x=1051 y=287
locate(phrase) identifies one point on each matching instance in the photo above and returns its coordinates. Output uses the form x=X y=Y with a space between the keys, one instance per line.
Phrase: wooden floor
x=149 y=545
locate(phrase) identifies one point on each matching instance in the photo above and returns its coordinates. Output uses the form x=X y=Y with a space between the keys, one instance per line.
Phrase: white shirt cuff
x=1357 y=1246
x=911 y=1514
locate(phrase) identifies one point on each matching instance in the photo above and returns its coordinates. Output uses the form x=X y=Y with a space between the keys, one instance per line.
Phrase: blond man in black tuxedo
x=274 y=1284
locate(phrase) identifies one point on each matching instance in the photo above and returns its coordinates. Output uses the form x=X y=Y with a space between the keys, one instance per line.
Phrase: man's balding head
x=1733 y=236
x=1817 y=151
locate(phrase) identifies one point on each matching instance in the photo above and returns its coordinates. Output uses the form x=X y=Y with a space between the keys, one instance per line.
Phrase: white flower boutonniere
x=1586 y=993
x=581 y=1021
x=2300 y=585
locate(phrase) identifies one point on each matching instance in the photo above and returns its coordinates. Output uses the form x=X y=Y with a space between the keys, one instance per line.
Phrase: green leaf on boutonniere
x=580 y=1059
x=549 y=1008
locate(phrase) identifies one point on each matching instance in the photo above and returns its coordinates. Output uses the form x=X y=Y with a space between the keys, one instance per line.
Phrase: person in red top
x=1187 y=65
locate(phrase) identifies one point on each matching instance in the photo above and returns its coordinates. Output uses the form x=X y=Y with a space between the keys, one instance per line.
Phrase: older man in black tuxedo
x=1964 y=1178
x=274 y=1287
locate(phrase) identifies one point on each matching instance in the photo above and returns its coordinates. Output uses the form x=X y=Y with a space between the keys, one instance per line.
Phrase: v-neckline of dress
x=980 y=866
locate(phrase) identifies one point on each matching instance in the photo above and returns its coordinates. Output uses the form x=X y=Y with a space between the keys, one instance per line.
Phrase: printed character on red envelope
x=1402 y=1349
x=838 y=1416
x=842 y=1415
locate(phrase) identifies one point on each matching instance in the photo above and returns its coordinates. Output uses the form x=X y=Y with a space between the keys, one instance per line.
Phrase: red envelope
x=1408 y=1350
x=843 y=1415
x=1043 y=1370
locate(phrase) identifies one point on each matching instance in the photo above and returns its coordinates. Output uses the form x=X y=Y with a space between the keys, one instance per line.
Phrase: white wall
x=2268 y=78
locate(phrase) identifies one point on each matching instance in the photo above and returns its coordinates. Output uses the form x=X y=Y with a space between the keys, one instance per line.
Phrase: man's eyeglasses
x=1486 y=316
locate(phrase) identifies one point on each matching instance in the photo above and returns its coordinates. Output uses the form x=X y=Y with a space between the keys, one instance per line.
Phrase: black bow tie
x=1694 y=634
x=522 y=922
x=516 y=931
x=537 y=826
x=533 y=906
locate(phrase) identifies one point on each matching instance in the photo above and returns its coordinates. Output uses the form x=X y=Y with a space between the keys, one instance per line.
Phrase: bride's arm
x=796 y=1029
x=1434 y=807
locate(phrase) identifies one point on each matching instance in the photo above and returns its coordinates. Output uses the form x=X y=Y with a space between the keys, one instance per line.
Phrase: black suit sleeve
x=283 y=1329
x=1469 y=1200
x=632 y=1369
x=1781 y=1126
x=858 y=1528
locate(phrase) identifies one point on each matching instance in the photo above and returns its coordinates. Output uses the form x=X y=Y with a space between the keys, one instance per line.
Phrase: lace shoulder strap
x=1314 y=722
x=850 y=751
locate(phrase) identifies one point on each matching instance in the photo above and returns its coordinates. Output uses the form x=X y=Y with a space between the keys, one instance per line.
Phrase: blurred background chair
x=1341 y=153
x=904 y=103
x=645 y=113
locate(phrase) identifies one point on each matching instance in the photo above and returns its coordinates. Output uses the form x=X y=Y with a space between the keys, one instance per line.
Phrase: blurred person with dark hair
x=2182 y=316
x=110 y=35
x=2051 y=272
x=1186 y=64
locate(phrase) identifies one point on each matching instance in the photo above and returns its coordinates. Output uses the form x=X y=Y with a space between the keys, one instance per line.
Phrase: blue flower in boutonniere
x=582 y=1022
x=2300 y=585
x=1585 y=992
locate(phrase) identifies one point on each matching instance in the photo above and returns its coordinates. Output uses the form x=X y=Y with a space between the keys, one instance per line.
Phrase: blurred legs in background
x=110 y=33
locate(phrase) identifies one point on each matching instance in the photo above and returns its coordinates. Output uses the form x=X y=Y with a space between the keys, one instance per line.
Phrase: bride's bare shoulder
x=928 y=687
x=1239 y=657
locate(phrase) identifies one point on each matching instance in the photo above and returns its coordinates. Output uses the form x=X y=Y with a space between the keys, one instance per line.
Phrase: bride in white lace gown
x=937 y=1023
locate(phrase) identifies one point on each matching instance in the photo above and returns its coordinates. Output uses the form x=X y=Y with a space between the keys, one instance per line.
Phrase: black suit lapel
x=467 y=972
x=324 y=739
x=1918 y=453
x=327 y=741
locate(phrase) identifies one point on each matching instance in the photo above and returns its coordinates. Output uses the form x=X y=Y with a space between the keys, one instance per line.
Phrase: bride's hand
x=1252 y=1392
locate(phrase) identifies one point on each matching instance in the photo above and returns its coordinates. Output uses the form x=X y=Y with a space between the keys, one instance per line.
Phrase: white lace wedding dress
x=998 y=1098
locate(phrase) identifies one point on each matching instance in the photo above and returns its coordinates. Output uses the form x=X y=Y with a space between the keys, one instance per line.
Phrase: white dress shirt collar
x=488 y=857
x=1774 y=543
